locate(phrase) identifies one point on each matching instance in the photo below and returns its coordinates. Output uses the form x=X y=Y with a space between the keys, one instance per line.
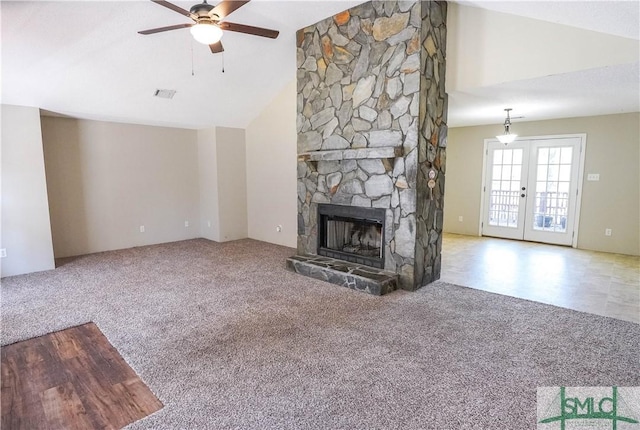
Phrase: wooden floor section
x=71 y=379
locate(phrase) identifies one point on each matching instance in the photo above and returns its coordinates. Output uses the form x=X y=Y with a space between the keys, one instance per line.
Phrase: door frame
x=583 y=150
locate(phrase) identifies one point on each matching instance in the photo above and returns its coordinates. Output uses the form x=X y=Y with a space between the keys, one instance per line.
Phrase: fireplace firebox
x=352 y=234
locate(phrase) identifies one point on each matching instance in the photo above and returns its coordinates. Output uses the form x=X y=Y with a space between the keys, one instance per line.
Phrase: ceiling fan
x=208 y=25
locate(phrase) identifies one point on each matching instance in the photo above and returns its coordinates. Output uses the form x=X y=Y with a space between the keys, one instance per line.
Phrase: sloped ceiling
x=85 y=59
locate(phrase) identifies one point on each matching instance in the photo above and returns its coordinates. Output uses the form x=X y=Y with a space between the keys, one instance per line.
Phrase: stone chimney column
x=372 y=132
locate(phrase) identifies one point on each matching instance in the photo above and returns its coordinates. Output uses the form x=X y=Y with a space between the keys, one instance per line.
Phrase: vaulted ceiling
x=85 y=59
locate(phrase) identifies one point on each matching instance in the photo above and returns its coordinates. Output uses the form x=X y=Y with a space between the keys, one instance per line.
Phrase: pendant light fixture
x=507 y=137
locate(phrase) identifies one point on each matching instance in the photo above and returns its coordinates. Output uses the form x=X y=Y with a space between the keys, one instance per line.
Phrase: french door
x=531 y=189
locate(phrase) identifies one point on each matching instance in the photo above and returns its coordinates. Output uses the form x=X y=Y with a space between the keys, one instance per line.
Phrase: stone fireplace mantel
x=353 y=154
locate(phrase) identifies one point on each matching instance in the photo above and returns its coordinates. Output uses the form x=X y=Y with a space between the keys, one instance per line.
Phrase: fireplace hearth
x=351 y=234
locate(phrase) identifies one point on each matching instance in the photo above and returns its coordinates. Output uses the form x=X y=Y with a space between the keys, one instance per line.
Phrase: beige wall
x=105 y=180
x=208 y=184
x=25 y=226
x=232 y=183
x=222 y=180
x=271 y=171
x=612 y=150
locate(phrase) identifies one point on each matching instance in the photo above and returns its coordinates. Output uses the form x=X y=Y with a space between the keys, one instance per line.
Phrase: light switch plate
x=593 y=177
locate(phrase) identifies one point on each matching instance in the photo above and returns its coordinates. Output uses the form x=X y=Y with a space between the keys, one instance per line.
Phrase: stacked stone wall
x=372 y=78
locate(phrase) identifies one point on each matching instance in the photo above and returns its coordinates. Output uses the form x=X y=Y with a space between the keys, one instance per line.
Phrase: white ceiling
x=600 y=91
x=85 y=59
x=619 y=18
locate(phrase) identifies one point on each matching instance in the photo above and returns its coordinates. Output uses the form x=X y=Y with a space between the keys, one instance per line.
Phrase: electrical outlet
x=141 y=229
x=607 y=232
x=3 y=253
x=279 y=228
x=209 y=224
x=593 y=177
x=186 y=223
x=460 y=218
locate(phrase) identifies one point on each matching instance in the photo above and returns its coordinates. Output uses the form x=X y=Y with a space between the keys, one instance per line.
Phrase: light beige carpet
x=227 y=338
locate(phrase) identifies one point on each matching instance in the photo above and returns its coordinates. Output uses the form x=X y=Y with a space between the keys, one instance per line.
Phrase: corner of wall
x=231 y=172
x=25 y=223
x=208 y=184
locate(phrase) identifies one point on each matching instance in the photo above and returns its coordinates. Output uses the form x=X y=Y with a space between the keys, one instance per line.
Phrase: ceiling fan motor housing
x=201 y=10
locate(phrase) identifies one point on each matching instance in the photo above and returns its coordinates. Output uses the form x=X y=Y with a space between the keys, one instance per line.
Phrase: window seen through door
x=553 y=180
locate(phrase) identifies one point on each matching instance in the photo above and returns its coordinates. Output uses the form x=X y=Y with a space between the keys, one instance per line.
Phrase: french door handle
x=524 y=188
x=522 y=195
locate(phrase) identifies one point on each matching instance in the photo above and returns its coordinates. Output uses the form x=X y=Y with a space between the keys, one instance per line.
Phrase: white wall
x=482 y=46
x=271 y=171
x=208 y=184
x=25 y=226
x=105 y=180
x=612 y=150
x=232 y=183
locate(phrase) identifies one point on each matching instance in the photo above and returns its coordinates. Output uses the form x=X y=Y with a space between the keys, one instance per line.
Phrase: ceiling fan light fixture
x=507 y=137
x=206 y=26
x=206 y=33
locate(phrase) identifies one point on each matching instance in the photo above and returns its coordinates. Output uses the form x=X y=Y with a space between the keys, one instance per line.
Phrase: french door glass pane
x=504 y=201
x=552 y=189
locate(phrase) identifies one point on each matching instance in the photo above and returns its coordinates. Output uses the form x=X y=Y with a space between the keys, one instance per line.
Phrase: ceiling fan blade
x=256 y=31
x=160 y=29
x=175 y=8
x=225 y=7
x=216 y=47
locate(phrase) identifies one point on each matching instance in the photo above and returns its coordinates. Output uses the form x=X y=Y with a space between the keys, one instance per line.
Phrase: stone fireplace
x=372 y=134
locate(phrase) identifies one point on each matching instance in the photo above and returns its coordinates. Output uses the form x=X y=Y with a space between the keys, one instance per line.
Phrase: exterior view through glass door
x=531 y=189
x=506 y=173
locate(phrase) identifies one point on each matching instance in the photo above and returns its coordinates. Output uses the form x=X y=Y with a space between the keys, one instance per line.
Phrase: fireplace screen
x=351 y=234
x=354 y=237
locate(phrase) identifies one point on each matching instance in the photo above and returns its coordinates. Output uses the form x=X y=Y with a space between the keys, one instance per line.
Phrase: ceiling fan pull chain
x=223 y=62
x=192 y=71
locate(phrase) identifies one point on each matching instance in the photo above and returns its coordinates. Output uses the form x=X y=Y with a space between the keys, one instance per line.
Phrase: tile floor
x=588 y=281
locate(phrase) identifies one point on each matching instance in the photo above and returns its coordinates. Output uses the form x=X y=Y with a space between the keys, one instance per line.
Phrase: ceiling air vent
x=165 y=94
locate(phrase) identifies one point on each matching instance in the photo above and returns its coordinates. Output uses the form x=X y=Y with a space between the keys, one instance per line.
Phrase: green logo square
x=569 y=408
